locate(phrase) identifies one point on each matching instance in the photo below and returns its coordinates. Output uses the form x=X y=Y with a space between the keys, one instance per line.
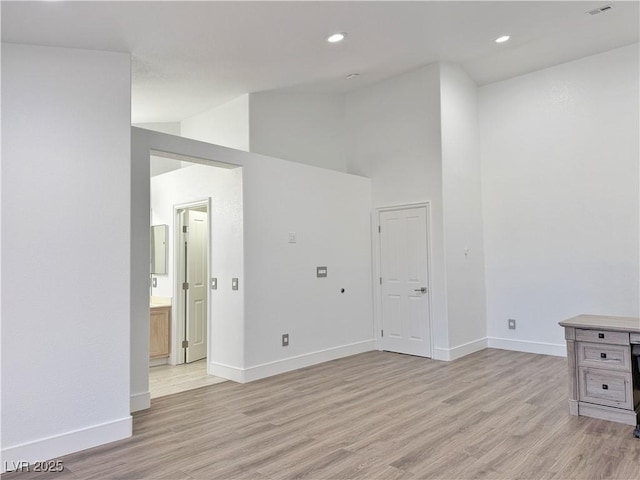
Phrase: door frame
x=177 y=324
x=377 y=261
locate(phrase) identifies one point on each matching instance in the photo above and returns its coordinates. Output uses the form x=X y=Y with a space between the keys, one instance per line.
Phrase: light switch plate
x=154 y=282
x=234 y=284
x=321 y=272
x=214 y=283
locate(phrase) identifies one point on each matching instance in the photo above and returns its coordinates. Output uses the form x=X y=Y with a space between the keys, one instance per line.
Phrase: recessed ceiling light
x=336 y=37
x=352 y=75
x=502 y=39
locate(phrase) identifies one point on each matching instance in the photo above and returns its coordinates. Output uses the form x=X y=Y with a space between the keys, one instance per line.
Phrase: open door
x=194 y=271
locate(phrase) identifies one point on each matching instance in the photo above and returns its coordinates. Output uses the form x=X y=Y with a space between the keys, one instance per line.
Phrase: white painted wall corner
x=140 y=401
x=449 y=354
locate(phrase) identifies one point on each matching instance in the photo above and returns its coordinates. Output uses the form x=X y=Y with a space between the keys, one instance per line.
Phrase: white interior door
x=404 y=286
x=196 y=239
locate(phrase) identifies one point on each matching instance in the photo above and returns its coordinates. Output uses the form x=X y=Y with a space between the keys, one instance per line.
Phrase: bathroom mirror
x=159 y=249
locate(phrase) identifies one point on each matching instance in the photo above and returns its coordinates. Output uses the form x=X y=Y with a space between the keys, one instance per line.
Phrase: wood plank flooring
x=494 y=414
x=169 y=379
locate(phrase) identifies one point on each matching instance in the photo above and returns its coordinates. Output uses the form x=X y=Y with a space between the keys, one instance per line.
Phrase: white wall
x=302 y=127
x=462 y=204
x=226 y=124
x=560 y=197
x=394 y=138
x=160 y=165
x=65 y=201
x=172 y=128
x=328 y=210
x=224 y=188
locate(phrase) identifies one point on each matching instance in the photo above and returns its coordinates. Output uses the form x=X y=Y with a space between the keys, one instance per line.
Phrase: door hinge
x=382 y=333
x=185 y=229
x=380 y=280
x=185 y=344
x=379 y=229
x=185 y=286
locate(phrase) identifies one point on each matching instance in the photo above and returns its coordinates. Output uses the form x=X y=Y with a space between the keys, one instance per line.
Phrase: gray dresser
x=604 y=381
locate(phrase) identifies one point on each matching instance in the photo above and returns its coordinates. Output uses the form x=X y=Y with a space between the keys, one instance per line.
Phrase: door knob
x=421 y=290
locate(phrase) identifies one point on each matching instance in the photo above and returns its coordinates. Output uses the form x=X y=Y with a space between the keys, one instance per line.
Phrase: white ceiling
x=191 y=56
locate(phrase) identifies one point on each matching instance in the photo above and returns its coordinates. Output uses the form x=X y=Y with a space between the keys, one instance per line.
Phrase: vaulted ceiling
x=191 y=56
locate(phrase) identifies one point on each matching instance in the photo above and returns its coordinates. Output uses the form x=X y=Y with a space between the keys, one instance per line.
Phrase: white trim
x=527 y=346
x=376 y=269
x=293 y=363
x=156 y=362
x=221 y=370
x=448 y=354
x=139 y=401
x=441 y=354
x=277 y=367
x=176 y=357
x=70 y=442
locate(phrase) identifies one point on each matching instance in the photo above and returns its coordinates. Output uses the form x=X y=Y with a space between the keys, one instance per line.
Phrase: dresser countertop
x=604 y=322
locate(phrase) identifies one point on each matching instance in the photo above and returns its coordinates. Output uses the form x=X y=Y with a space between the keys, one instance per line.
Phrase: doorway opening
x=180 y=295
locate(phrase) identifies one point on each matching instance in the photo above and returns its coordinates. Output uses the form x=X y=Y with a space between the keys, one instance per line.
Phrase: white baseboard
x=221 y=370
x=139 y=401
x=288 y=364
x=448 y=354
x=156 y=362
x=70 y=442
x=527 y=346
x=293 y=363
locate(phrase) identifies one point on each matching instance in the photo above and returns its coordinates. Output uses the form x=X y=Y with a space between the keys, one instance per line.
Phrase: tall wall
x=394 y=138
x=301 y=127
x=462 y=206
x=226 y=124
x=560 y=197
x=65 y=221
x=224 y=188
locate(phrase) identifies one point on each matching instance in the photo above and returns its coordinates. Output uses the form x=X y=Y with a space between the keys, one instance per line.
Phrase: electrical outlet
x=285 y=339
x=512 y=324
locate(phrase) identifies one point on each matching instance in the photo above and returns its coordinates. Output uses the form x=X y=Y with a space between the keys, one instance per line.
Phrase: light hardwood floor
x=494 y=414
x=169 y=379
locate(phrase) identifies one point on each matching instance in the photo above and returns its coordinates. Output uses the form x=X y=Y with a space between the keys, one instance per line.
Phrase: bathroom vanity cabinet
x=160 y=332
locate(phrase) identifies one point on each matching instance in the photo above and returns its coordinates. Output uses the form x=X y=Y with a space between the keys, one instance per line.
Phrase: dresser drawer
x=602 y=336
x=599 y=355
x=604 y=387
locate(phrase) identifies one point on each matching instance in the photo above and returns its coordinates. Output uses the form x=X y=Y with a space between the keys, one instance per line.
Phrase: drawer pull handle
x=601 y=335
x=605 y=386
x=603 y=355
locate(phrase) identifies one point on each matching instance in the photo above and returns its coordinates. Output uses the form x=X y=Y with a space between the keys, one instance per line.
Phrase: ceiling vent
x=598 y=11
